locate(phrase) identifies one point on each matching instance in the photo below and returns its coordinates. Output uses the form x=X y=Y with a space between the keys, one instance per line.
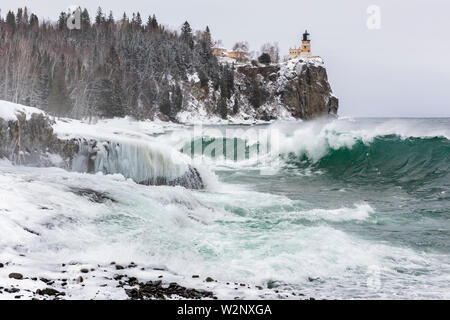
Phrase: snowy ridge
x=9 y=110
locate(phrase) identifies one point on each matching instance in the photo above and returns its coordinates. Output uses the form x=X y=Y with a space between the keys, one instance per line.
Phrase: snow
x=193 y=77
x=10 y=110
x=110 y=129
x=43 y=229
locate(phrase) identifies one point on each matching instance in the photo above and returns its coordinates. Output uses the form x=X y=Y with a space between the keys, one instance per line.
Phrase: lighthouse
x=304 y=51
x=306 y=46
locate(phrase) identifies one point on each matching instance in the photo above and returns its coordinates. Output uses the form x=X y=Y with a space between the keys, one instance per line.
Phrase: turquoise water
x=350 y=208
x=353 y=203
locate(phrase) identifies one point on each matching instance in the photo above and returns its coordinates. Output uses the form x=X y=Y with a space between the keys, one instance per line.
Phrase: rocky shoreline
x=117 y=277
x=30 y=140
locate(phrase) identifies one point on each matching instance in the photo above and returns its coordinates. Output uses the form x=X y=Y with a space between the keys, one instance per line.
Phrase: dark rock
x=84 y=270
x=304 y=90
x=37 y=140
x=16 y=276
x=155 y=290
x=12 y=290
x=49 y=292
x=1 y=265
x=118 y=277
x=32 y=232
x=119 y=267
x=132 y=281
x=195 y=276
x=209 y=279
x=92 y=195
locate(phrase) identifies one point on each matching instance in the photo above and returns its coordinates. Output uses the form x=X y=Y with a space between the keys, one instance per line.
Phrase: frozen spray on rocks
x=28 y=138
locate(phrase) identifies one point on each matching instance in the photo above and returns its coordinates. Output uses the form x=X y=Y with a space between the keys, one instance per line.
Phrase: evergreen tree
x=101 y=96
x=41 y=88
x=11 y=20
x=25 y=16
x=204 y=81
x=117 y=105
x=113 y=68
x=110 y=20
x=154 y=22
x=177 y=98
x=207 y=35
x=19 y=16
x=62 y=21
x=85 y=20
x=222 y=107
x=186 y=34
x=255 y=97
x=228 y=76
x=138 y=20
x=99 y=18
x=59 y=102
x=124 y=21
x=264 y=58
x=236 y=104
x=34 y=21
x=165 y=106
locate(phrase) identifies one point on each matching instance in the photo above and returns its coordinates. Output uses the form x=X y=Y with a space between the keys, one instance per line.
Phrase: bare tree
x=242 y=46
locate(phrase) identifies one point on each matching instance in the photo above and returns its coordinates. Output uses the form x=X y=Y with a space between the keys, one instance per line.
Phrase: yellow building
x=238 y=54
x=220 y=52
x=304 y=51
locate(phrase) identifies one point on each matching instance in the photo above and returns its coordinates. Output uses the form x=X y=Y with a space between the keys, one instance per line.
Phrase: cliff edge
x=295 y=89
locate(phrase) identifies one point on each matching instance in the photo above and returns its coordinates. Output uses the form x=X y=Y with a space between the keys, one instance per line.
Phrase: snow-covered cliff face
x=295 y=89
x=29 y=137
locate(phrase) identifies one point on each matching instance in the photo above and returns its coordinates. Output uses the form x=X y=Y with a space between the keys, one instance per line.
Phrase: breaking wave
x=385 y=158
x=388 y=152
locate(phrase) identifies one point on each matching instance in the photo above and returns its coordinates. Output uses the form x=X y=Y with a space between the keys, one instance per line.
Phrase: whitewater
x=347 y=208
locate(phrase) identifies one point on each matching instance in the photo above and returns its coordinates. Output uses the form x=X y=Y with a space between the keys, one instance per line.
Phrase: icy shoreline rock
x=132 y=281
x=29 y=139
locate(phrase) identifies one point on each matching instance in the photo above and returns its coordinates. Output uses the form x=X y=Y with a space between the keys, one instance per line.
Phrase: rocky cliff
x=295 y=89
x=30 y=140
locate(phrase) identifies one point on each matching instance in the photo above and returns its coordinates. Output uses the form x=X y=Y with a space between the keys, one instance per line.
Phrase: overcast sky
x=401 y=69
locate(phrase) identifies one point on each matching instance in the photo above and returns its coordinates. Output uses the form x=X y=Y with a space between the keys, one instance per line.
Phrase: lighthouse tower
x=306 y=46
